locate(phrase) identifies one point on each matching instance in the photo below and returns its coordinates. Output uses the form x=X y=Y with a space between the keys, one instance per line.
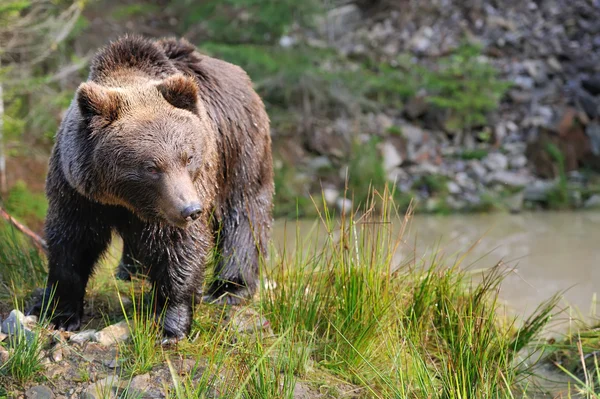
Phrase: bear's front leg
x=177 y=273
x=77 y=235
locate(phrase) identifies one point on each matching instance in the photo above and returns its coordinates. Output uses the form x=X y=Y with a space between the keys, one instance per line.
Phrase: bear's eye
x=152 y=169
x=189 y=161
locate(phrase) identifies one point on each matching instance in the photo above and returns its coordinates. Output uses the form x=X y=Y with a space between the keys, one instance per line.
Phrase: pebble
x=13 y=323
x=39 y=392
x=113 y=334
x=495 y=161
x=83 y=336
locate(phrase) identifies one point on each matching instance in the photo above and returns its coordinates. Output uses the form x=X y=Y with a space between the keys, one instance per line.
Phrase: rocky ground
x=548 y=52
x=91 y=364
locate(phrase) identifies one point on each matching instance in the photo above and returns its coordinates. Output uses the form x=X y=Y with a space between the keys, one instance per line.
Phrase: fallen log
x=38 y=241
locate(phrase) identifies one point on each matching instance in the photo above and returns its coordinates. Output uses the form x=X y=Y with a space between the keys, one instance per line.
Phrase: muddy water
x=551 y=252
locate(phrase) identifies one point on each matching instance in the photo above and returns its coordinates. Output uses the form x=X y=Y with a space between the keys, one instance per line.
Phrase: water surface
x=551 y=252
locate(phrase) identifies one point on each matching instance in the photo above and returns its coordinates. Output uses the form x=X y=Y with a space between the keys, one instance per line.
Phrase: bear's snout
x=191 y=212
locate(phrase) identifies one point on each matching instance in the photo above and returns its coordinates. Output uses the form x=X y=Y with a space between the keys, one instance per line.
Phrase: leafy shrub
x=466 y=86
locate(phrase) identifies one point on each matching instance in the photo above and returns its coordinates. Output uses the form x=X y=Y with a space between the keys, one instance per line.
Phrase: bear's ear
x=180 y=92
x=95 y=100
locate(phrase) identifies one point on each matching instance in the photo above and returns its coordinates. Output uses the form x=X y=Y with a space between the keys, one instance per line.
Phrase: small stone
x=330 y=195
x=508 y=178
x=391 y=156
x=477 y=169
x=39 y=392
x=13 y=323
x=140 y=382
x=57 y=354
x=83 y=336
x=4 y=355
x=453 y=187
x=413 y=134
x=3 y=336
x=518 y=162
x=112 y=363
x=344 y=205
x=592 y=202
x=593 y=132
x=30 y=321
x=113 y=334
x=495 y=161
x=524 y=82
x=538 y=190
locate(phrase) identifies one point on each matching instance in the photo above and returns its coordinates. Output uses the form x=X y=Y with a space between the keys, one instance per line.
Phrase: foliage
x=365 y=170
x=22 y=267
x=292 y=197
x=26 y=205
x=466 y=86
x=245 y=21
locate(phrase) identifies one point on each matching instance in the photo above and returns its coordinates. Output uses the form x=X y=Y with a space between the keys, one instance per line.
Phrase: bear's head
x=150 y=147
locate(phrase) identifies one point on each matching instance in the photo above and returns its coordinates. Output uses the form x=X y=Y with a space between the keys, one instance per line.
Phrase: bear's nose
x=192 y=212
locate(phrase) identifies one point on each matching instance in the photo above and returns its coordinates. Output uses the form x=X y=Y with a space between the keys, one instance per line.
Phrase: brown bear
x=170 y=149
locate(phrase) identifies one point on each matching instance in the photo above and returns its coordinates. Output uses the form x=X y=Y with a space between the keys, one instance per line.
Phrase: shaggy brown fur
x=171 y=149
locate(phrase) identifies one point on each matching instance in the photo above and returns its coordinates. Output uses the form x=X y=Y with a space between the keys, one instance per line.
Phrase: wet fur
x=235 y=181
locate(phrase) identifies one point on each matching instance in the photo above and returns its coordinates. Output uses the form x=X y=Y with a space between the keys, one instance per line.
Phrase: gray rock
x=536 y=69
x=593 y=132
x=413 y=134
x=421 y=41
x=140 y=382
x=495 y=161
x=330 y=195
x=592 y=202
x=538 y=190
x=319 y=163
x=39 y=392
x=508 y=178
x=113 y=334
x=391 y=156
x=3 y=336
x=57 y=354
x=478 y=171
x=4 y=355
x=13 y=323
x=83 y=336
x=524 y=82
x=518 y=162
x=287 y=41
x=30 y=321
x=344 y=205
x=453 y=187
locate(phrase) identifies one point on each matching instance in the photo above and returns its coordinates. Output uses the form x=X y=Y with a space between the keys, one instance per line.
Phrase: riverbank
x=341 y=317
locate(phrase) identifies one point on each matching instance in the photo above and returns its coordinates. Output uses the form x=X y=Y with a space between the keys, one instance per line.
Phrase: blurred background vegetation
x=338 y=115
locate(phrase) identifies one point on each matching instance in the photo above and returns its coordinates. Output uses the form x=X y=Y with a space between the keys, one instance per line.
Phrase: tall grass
x=347 y=314
x=22 y=267
x=396 y=330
